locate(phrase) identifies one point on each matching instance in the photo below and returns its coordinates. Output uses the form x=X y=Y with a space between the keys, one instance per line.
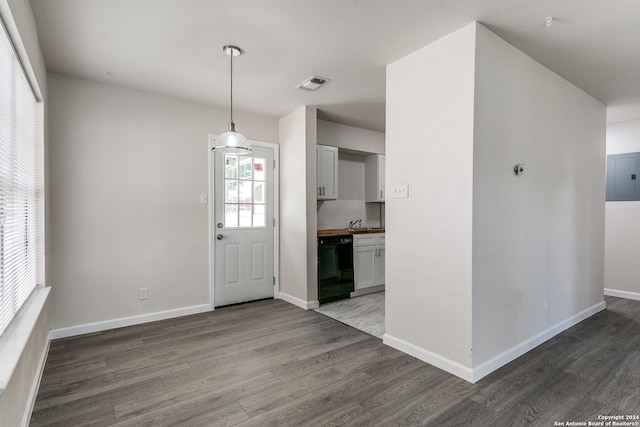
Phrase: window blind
x=20 y=185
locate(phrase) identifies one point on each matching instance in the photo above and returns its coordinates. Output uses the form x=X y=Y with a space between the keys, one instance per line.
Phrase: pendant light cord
x=231 y=109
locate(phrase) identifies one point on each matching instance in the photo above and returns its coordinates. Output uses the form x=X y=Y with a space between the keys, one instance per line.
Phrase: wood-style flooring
x=270 y=363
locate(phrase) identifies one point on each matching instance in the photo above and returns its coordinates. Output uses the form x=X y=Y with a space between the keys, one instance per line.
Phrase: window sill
x=16 y=337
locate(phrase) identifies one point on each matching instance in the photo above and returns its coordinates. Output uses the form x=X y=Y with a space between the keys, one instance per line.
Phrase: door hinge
x=274 y=222
x=274 y=164
x=274 y=280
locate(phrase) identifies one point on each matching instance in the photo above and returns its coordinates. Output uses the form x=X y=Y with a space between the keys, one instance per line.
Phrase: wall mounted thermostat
x=519 y=169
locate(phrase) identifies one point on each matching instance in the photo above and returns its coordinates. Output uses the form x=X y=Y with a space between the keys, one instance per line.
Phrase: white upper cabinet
x=327 y=172
x=374 y=178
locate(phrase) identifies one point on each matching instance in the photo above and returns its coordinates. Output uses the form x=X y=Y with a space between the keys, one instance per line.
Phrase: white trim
x=622 y=294
x=474 y=375
x=276 y=216
x=17 y=335
x=6 y=16
x=127 y=321
x=431 y=358
x=35 y=385
x=307 y=305
x=212 y=212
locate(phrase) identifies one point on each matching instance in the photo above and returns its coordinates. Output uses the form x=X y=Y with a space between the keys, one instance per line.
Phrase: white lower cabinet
x=368 y=260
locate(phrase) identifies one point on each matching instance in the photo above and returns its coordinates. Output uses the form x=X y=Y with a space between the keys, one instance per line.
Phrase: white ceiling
x=174 y=47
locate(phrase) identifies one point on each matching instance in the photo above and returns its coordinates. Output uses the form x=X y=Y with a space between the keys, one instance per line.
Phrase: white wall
x=350 y=176
x=622 y=269
x=429 y=132
x=538 y=239
x=482 y=266
x=298 y=268
x=349 y=137
x=127 y=171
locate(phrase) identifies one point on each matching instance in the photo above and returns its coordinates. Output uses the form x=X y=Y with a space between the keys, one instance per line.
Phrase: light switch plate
x=400 y=191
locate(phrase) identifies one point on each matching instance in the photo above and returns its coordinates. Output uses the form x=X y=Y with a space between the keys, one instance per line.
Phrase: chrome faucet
x=355 y=224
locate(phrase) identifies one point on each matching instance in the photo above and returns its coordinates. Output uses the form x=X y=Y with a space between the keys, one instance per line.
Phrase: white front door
x=243 y=226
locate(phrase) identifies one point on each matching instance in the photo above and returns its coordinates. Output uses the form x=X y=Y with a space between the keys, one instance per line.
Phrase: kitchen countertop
x=343 y=232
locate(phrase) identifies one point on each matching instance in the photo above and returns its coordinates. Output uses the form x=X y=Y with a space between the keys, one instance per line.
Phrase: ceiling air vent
x=313 y=83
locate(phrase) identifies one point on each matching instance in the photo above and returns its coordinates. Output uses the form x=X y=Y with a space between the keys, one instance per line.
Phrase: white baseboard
x=475 y=374
x=431 y=358
x=16 y=336
x=127 y=321
x=35 y=385
x=622 y=294
x=307 y=305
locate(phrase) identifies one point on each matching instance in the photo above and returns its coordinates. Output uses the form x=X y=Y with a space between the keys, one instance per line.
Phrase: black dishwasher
x=335 y=268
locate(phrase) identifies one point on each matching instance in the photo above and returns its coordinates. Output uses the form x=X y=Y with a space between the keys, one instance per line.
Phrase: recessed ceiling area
x=172 y=47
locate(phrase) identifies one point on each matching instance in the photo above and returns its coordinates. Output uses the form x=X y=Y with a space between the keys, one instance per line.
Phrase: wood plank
x=621 y=388
x=540 y=406
x=514 y=386
x=466 y=413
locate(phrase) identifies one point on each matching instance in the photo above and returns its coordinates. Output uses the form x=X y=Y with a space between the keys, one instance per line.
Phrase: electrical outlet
x=400 y=191
x=144 y=294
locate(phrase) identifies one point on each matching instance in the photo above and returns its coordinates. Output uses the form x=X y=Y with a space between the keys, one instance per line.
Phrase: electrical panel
x=622 y=173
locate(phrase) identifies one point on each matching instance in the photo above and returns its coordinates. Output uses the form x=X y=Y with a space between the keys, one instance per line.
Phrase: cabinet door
x=374 y=171
x=380 y=265
x=364 y=266
x=327 y=172
x=381 y=167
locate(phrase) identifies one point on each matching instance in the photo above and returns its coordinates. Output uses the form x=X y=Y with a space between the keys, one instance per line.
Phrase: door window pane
x=245 y=215
x=245 y=168
x=259 y=219
x=259 y=169
x=231 y=167
x=231 y=191
x=231 y=215
x=259 y=192
x=245 y=191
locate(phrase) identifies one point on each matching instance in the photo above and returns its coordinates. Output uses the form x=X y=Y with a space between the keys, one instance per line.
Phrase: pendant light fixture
x=232 y=142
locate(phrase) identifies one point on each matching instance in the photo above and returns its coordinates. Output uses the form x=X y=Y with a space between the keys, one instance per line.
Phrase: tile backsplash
x=335 y=214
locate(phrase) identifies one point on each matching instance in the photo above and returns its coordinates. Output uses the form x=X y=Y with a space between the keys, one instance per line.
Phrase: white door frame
x=276 y=216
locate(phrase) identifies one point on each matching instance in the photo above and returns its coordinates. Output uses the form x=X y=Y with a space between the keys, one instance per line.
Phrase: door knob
x=219 y=236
